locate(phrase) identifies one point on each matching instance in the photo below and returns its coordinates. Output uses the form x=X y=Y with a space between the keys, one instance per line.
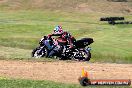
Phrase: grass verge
x=21 y=83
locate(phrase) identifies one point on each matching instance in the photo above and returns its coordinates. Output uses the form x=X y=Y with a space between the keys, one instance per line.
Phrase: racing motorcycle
x=80 y=51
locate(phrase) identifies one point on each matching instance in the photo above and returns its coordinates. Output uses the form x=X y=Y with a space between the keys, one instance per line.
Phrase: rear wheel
x=87 y=56
x=38 y=53
x=83 y=55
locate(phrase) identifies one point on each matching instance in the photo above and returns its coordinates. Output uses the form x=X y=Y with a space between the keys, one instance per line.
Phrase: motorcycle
x=80 y=51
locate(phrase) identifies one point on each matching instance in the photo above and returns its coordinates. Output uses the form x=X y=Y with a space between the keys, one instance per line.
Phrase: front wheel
x=39 y=52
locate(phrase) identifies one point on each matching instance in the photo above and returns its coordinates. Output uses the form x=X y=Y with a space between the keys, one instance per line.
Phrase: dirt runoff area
x=63 y=71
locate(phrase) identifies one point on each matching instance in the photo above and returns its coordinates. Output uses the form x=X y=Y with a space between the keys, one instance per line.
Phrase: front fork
x=40 y=50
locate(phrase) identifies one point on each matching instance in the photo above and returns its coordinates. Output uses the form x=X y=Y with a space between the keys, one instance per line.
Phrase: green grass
x=21 y=30
x=21 y=83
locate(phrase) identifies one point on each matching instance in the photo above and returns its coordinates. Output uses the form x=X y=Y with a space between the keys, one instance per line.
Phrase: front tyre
x=39 y=52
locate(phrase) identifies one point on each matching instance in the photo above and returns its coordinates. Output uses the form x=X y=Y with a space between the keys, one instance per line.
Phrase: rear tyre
x=82 y=56
x=87 y=56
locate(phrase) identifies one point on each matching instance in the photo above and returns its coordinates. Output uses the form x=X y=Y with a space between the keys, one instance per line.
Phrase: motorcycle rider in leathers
x=62 y=37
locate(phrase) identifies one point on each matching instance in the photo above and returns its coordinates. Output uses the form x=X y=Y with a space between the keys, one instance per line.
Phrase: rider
x=63 y=37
